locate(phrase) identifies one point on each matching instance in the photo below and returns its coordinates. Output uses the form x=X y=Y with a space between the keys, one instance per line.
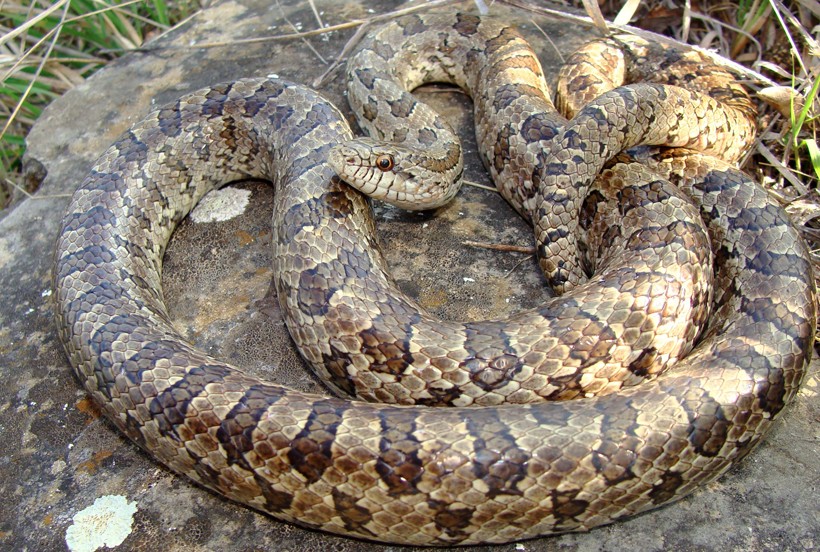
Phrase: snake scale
x=439 y=476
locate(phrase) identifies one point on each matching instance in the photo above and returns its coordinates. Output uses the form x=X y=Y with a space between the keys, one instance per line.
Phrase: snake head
x=396 y=174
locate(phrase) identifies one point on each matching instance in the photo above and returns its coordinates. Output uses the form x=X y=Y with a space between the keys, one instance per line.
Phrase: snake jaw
x=387 y=172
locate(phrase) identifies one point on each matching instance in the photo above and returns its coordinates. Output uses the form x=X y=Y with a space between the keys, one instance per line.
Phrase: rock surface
x=57 y=456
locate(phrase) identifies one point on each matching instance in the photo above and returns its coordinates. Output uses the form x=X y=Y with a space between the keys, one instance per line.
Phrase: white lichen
x=106 y=523
x=221 y=205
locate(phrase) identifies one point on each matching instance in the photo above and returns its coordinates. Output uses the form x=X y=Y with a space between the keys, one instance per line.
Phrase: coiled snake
x=414 y=474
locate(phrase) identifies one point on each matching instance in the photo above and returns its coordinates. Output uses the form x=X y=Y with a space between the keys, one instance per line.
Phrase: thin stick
x=316 y=14
x=782 y=169
x=319 y=82
x=687 y=20
x=296 y=29
x=519 y=263
x=28 y=195
x=594 y=11
x=527 y=249
x=477 y=185
x=117 y=8
x=549 y=39
x=33 y=21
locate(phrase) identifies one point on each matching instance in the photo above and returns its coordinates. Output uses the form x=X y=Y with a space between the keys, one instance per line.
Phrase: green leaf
x=814 y=155
x=161 y=12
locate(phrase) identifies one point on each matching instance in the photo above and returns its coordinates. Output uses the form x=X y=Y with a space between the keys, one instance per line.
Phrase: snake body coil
x=414 y=475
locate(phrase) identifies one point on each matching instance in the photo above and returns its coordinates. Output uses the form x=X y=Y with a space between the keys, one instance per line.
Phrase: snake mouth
x=341 y=159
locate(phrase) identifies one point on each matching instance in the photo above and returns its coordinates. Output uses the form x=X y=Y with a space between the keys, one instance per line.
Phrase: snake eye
x=384 y=162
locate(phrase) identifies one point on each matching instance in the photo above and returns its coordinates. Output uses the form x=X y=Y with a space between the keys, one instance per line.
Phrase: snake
x=498 y=462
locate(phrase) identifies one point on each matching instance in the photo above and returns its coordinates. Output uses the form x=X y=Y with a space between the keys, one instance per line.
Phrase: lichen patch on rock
x=106 y=523
x=220 y=205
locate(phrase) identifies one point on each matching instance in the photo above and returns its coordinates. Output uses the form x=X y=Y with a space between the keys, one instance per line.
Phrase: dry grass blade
x=594 y=11
x=782 y=13
x=686 y=21
x=316 y=14
x=296 y=29
x=321 y=80
x=118 y=9
x=751 y=26
x=548 y=38
x=627 y=12
x=812 y=5
x=37 y=73
x=782 y=168
x=22 y=58
x=23 y=29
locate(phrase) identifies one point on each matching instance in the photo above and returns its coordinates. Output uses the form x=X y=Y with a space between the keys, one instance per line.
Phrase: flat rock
x=58 y=457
